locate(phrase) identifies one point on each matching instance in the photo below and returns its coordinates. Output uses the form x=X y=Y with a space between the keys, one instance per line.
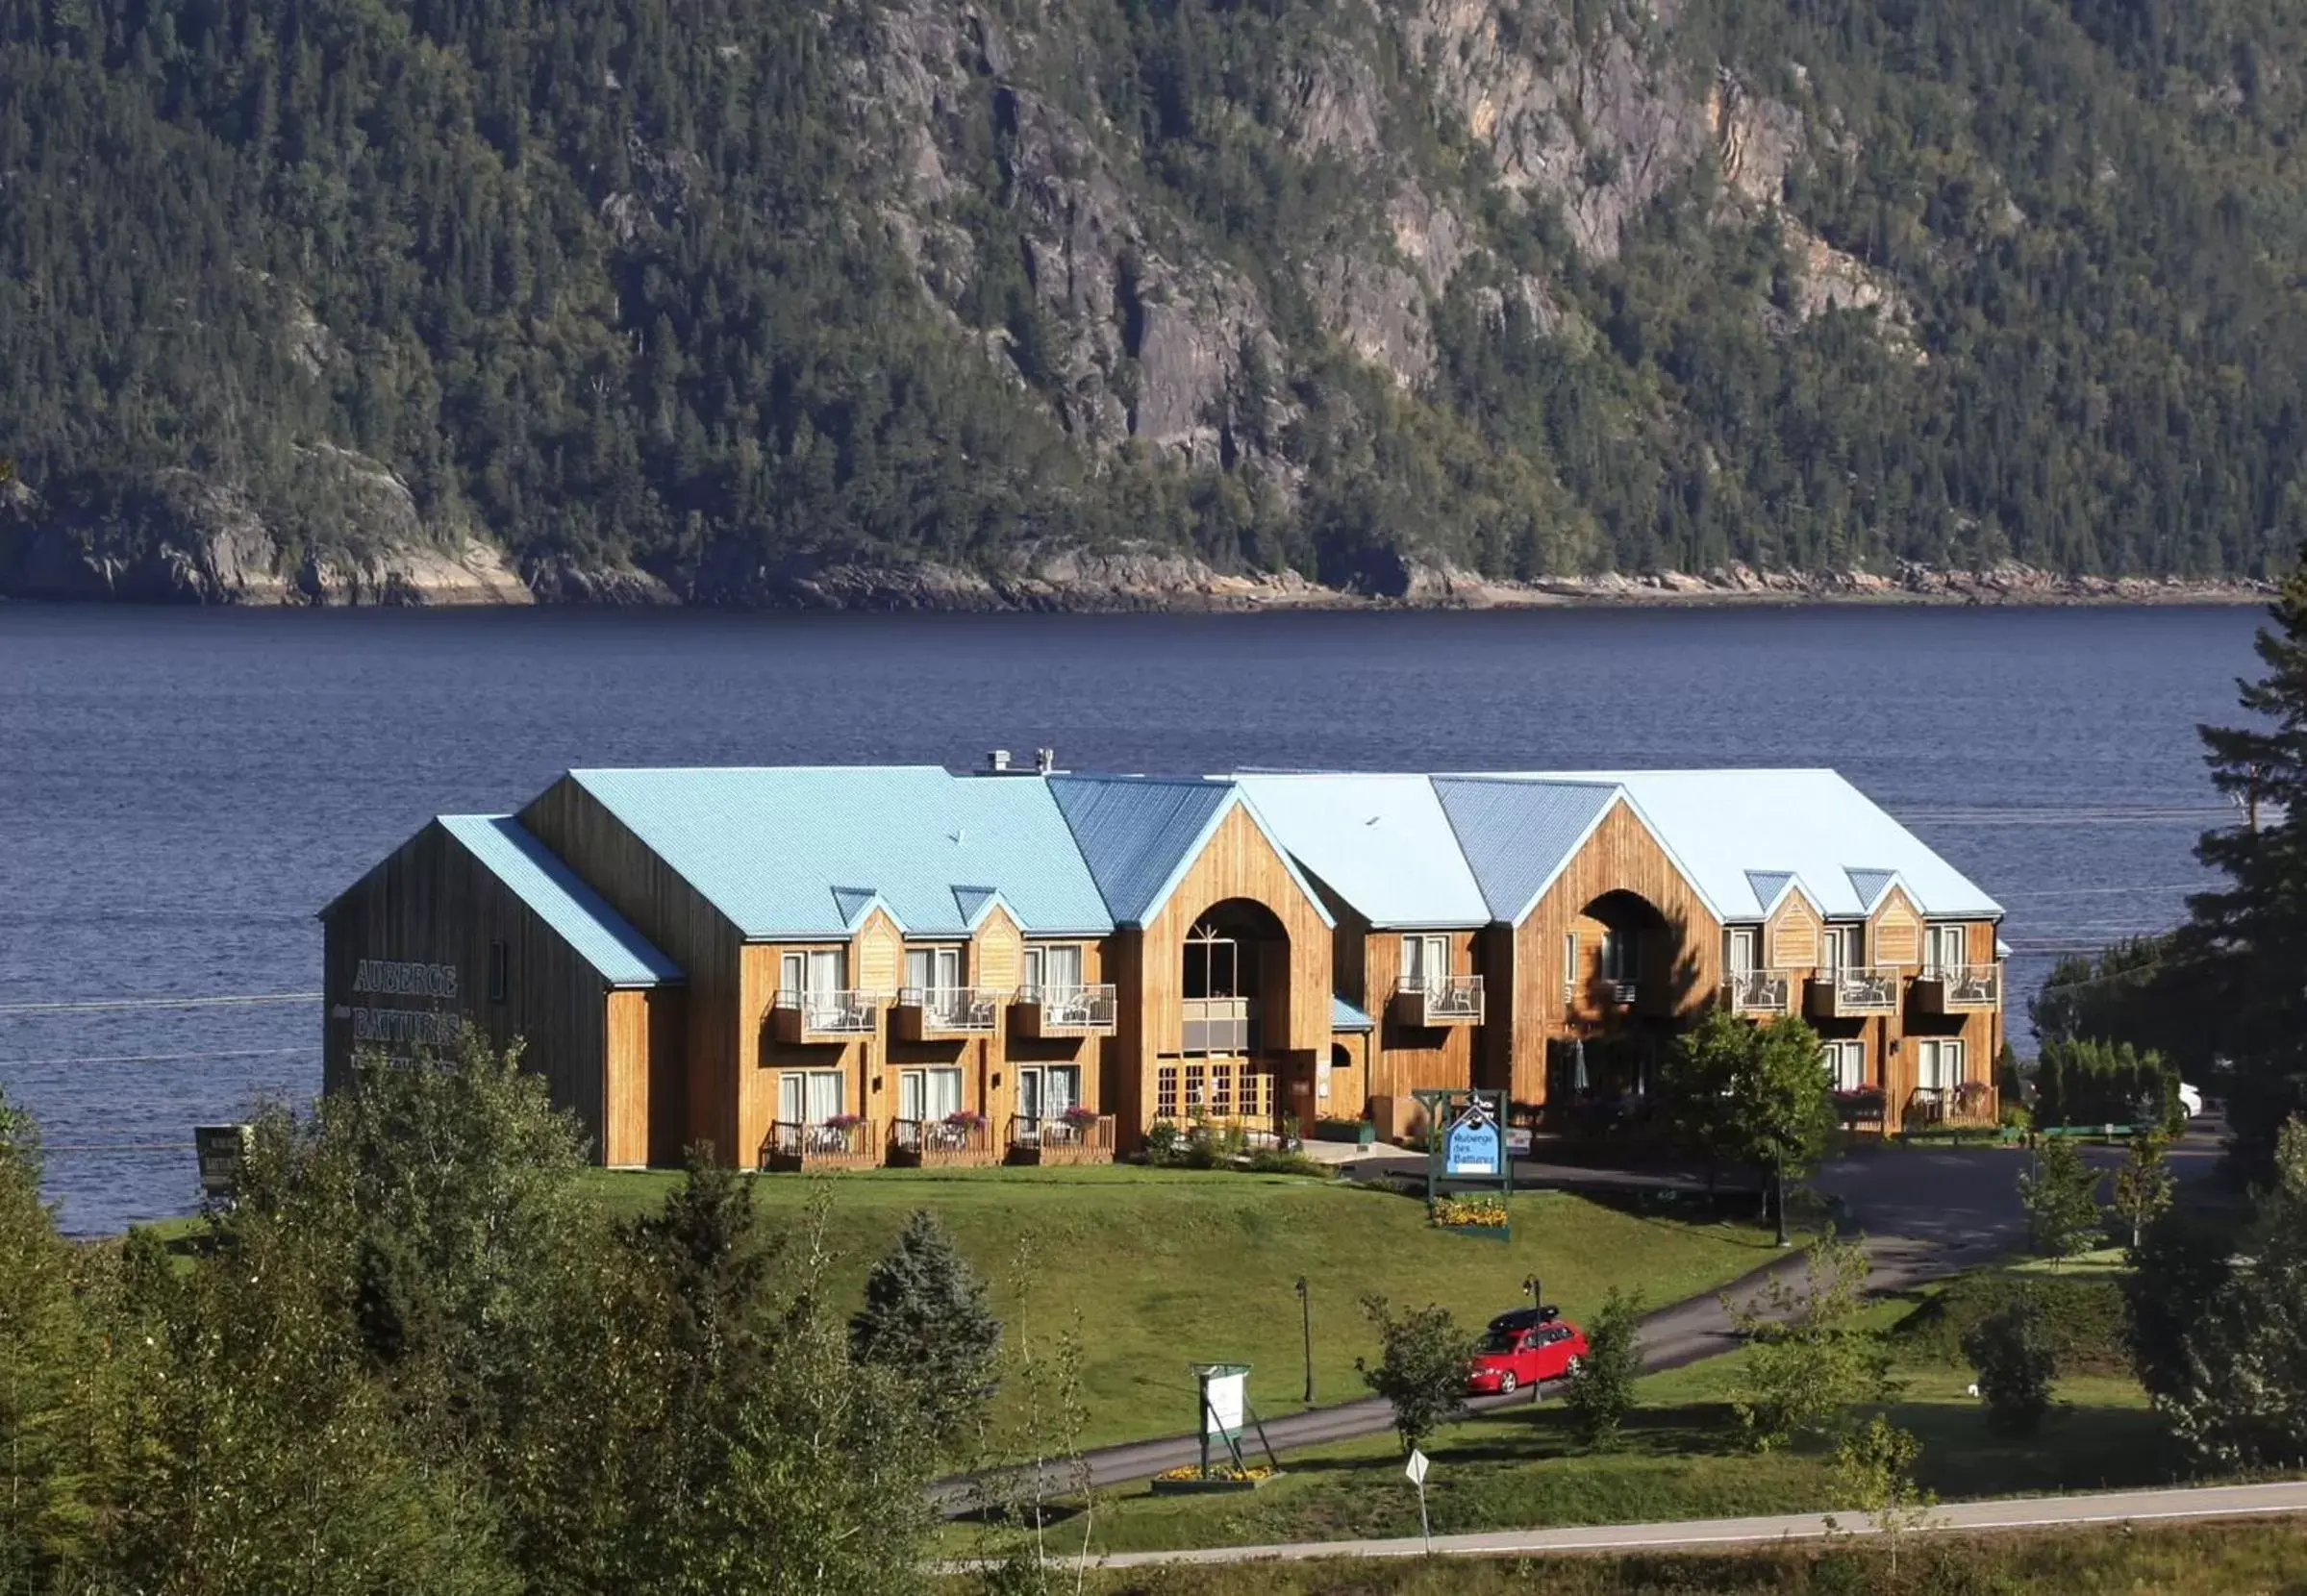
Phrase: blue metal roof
x=535 y=874
x=1767 y=885
x=1518 y=835
x=1139 y=833
x=805 y=852
x=1345 y=1016
x=1870 y=885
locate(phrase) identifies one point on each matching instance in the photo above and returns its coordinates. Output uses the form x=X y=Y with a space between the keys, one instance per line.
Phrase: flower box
x=1359 y=1132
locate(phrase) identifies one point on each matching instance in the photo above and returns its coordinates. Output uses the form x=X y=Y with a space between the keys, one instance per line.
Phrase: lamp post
x=1778 y=1192
x=1305 y=1305
x=1536 y=1290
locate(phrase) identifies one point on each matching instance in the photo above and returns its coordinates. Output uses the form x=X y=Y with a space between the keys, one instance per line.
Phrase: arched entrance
x=1233 y=977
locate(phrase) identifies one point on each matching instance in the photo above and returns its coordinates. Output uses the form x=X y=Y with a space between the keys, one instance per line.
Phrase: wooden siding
x=1238 y=864
x=690 y=930
x=645 y=1073
x=1790 y=935
x=1896 y=935
x=1409 y=1057
x=1620 y=856
x=432 y=903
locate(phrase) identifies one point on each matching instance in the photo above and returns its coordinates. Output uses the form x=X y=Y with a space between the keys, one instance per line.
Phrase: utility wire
x=101 y=1005
x=161 y=1058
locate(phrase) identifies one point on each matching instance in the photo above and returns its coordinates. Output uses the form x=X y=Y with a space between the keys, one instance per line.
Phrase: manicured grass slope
x=1681 y=1458
x=2191 y=1560
x=1160 y=1268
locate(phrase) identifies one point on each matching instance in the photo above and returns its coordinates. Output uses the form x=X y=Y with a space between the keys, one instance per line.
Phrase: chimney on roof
x=997 y=761
x=1045 y=760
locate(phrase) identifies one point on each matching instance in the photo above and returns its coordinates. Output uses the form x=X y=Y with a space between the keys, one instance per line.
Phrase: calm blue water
x=179 y=791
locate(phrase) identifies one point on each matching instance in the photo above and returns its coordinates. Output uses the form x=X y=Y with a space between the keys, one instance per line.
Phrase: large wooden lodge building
x=864 y=966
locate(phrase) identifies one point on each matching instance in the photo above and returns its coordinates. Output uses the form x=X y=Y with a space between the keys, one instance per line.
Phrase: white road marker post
x=1417 y=1470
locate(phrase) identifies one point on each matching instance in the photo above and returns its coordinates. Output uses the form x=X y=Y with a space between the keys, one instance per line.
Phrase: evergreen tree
x=927 y=1319
x=48 y=1354
x=2245 y=943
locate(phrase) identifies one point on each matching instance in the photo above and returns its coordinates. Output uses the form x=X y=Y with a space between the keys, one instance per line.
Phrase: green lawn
x=2170 y=1560
x=1681 y=1458
x=1161 y=1268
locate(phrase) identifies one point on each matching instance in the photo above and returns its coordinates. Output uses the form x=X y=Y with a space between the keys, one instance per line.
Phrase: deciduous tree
x=1809 y=1361
x=1422 y=1367
x=2010 y=1351
x=1602 y=1392
x=1743 y=1093
x=2061 y=1197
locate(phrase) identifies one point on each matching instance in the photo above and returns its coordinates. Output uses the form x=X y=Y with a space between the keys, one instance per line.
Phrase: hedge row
x=2083 y=1313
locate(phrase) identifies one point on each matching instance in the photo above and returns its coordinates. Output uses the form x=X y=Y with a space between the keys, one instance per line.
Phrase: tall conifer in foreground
x=2240 y=956
x=928 y=1320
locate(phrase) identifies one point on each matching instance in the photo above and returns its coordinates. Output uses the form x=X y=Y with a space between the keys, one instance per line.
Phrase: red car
x=1526 y=1347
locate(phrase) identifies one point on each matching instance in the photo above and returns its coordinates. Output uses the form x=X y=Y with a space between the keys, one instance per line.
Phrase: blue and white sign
x=1473 y=1146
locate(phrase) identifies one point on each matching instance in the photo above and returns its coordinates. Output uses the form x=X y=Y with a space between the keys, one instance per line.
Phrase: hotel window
x=1946 y=948
x=1165 y=1101
x=1847 y=1064
x=1621 y=956
x=1741 y=947
x=814 y=970
x=929 y=1094
x=1843 y=948
x=1569 y=964
x=1053 y=967
x=1197 y=1091
x=932 y=969
x=1939 y=1065
x=1045 y=1092
x=809 y=1097
x=1221 y=1090
x=1212 y=965
x=499 y=970
x=1426 y=962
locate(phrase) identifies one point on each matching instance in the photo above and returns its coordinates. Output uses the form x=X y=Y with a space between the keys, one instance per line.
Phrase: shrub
x=1162 y=1142
x=2081 y=1317
x=1602 y=1392
x=2012 y=1353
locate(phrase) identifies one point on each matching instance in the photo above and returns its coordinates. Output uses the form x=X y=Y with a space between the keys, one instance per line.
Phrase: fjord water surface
x=180 y=792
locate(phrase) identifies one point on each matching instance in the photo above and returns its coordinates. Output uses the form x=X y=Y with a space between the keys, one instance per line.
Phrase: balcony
x=1217 y=1025
x=1861 y=989
x=1075 y=1137
x=1757 y=991
x=846 y=1142
x=1047 y=1014
x=929 y=1013
x=1431 y=1001
x=958 y=1141
x=1958 y=988
x=1602 y=992
x=823 y=1016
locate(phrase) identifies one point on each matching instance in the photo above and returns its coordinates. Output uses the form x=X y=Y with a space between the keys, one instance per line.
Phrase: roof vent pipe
x=1045 y=760
x=998 y=760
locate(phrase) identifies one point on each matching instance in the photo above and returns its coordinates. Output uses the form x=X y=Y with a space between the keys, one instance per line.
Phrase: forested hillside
x=605 y=296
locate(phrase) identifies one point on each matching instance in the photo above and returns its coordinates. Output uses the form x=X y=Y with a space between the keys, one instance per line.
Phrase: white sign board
x=1417 y=1469
x=1224 y=1403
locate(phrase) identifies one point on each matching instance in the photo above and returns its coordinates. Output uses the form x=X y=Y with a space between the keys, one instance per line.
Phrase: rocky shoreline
x=234 y=560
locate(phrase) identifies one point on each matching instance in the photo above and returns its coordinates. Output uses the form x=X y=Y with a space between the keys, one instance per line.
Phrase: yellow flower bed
x=1217 y=1471
x=1487 y=1212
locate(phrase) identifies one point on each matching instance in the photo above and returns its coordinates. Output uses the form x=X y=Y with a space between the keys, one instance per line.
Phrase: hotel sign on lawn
x=1465 y=1145
x=1474 y=1144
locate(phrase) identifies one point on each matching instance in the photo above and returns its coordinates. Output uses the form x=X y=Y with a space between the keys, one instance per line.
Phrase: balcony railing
x=1860 y=989
x=1438 y=1000
x=1607 y=989
x=924 y=1012
x=964 y=1139
x=1048 y=1012
x=1217 y=1025
x=1943 y=988
x=1757 y=991
x=809 y=1016
x=846 y=1142
x=1077 y=1138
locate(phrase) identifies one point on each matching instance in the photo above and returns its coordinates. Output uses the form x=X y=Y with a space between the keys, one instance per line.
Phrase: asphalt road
x=1924 y=1214
x=2032 y=1513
